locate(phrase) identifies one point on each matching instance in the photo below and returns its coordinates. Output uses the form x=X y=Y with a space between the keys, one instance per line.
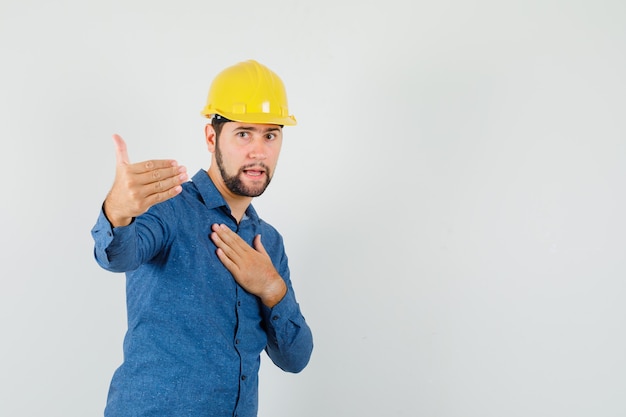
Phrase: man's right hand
x=139 y=186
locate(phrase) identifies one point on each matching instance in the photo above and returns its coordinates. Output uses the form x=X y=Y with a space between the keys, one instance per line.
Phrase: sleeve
x=290 y=341
x=123 y=249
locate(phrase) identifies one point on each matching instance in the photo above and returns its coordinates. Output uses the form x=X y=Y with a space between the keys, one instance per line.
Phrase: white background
x=452 y=198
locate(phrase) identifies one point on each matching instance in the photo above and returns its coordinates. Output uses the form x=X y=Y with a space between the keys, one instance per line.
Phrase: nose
x=257 y=150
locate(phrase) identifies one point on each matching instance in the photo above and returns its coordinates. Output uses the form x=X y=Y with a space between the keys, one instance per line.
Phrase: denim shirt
x=195 y=336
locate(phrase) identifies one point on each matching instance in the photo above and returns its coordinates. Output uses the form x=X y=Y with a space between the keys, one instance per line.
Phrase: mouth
x=254 y=172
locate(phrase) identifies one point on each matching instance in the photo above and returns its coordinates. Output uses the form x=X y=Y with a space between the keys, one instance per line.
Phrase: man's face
x=246 y=155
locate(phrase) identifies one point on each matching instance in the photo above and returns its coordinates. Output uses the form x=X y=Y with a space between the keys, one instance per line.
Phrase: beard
x=234 y=182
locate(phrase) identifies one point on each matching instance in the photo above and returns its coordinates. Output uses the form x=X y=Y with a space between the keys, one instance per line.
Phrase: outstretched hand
x=139 y=186
x=251 y=267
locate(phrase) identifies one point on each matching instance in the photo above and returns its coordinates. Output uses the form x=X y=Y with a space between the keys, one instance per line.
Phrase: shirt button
x=236 y=341
x=275 y=318
x=243 y=377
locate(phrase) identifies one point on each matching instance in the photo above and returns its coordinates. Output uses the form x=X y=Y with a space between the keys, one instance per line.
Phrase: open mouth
x=255 y=173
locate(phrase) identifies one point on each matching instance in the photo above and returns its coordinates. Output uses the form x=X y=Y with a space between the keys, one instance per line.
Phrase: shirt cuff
x=285 y=309
x=108 y=240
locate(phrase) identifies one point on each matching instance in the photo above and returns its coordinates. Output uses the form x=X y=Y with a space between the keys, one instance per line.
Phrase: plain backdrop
x=452 y=199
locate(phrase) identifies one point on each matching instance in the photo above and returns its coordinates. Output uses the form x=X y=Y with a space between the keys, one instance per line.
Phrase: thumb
x=121 y=154
x=258 y=245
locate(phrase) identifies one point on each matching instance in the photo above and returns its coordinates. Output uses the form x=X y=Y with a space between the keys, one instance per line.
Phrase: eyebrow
x=256 y=129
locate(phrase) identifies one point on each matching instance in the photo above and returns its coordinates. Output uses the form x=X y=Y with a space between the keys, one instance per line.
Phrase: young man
x=208 y=286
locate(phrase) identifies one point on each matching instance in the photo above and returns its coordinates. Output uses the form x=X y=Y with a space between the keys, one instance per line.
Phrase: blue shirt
x=194 y=336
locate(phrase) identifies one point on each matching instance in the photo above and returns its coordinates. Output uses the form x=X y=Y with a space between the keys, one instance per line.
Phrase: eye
x=271 y=136
x=242 y=134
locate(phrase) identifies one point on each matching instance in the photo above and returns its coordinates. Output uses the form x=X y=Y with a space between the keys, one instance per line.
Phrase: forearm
x=114 y=250
x=122 y=249
x=290 y=341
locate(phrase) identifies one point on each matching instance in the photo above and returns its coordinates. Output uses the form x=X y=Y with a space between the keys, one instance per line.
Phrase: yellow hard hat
x=249 y=92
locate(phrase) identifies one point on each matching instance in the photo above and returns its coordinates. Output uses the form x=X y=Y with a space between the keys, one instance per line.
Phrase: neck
x=238 y=204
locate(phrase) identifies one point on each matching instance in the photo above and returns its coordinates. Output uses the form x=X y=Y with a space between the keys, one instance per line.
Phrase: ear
x=209 y=133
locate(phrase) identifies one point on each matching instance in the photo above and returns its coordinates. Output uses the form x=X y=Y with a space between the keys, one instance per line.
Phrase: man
x=207 y=281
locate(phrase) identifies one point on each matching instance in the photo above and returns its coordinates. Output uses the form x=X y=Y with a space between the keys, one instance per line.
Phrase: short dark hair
x=218 y=123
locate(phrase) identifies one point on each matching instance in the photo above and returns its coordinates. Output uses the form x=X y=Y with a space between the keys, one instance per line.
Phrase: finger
x=147 y=187
x=154 y=165
x=230 y=238
x=162 y=196
x=218 y=237
x=258 y=245
x=121 y=154
x=169 y=176
x=227 y=241
x=224 y=252
x=228 y=263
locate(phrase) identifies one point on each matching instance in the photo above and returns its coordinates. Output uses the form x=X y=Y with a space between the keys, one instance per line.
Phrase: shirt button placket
x=237 y=340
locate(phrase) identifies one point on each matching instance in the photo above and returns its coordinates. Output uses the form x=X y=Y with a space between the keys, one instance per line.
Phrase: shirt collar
x=212 y=197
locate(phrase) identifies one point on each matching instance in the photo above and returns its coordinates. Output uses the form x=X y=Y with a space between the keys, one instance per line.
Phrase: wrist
x=115 y=221
x=275 y=293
